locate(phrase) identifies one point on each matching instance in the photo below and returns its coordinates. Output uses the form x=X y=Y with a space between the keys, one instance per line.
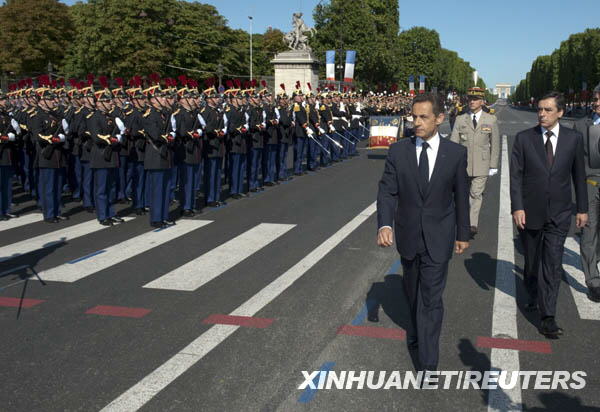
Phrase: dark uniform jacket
x=272 y=132
x=301 y=120
x=44 y=126
x=158 y=153
x=257 y=122
x=285 y=125
x=102 y=127
x=8 y=149
x=213 y=144
x=236 y=121
x=189 y=148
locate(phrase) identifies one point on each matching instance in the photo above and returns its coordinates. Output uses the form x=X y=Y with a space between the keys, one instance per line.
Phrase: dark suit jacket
x=545 y=194
x=440 y=212
x=590 y=147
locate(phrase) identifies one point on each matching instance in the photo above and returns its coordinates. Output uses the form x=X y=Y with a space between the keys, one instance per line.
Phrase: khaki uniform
x=483 y=150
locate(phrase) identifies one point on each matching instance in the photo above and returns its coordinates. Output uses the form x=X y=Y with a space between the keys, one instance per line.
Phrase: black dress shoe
x=373 y=316
x=594 y=294
x=298 y=174
x=255 y=190
x=106 y=222
x=269 y=184
x=62 y=217
x=156 y=225
x=212 y=204
x=287 y=179
x=188 y=213
x=549 y=328
x=140 y=211
x=168 y=222
x=222 y=203
x=117 y=219
x=11 y=215
x=51 y=220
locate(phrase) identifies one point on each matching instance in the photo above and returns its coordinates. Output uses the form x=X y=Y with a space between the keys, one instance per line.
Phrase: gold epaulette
x=296 y=107
x=24 y=127
x=79 y=110
x=142 y=131
x=322 y=107
x=90 y=115
x=129 y=112
x=227 y=109
x=147 y=113
x=203 y=109
x=175 y=112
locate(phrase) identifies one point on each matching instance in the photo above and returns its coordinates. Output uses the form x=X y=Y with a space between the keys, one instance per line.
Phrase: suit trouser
x=543 y=265
x=299 y=149
x=271 y=153
x=50 y=190
x=158 y=194
x=138 y=185
x=424 y=282
x=237 y=171
x=311 y=153
x=589 y=246
x=6 y=174
x=105 y=191
x=76 y=176
x=28 y=180
x=254 y=165
x=476 y=197
x=125 y=174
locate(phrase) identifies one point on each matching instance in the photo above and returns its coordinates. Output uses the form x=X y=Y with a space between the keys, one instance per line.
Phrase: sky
x=500 y=38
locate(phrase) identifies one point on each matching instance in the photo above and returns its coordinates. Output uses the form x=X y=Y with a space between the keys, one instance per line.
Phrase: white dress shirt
x=553 y=139
x=432 y=151
x=477 y=116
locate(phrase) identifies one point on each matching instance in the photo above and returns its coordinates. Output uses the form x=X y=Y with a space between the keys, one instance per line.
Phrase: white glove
x=321 y=130
x=172 y=135
x=62 y=137
x=119 y=137
x=493 y=172
x=331 y=128
x=309 y=132
x=11 y=137
x=199 y=131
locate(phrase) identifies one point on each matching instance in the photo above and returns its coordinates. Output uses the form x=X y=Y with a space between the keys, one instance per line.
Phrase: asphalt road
x=223 y=312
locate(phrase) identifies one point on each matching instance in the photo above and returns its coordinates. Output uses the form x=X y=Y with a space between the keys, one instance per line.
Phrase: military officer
x=10 y=132
x=478 y=132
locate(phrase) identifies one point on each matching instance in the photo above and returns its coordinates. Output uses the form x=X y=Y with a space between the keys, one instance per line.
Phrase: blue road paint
x=371 y=303
x=310 y=393
x=394 y=268
x=86 y=257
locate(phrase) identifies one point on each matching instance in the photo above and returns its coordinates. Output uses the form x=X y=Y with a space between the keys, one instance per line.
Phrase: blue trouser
x=87 y=184
x=324 y=156
x=76 y=176
x=105 y=190
x=138 y=185
x=282 y=170
x=158 y=194
x=187 y=184
x=335 y=149
x=124 y=182
x=237 y=171
x=299 y=147
x=199 y=177
x=29 y=182
x=6 y=174
x=173 y=177
x=353 y=135
x=254 y=166
x=50 y=191
x=272 y=150
x=345 y=143
x=311 y=153
x=212 y=177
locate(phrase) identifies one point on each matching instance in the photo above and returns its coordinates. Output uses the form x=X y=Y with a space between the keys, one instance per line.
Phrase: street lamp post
x=220 y=74
x=251 y=19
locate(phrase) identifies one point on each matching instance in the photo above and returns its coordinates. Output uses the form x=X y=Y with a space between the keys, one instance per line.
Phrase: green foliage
x=34 y=33
x=577 y=60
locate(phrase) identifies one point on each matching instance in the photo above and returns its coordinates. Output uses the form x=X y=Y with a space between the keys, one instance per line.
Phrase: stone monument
x=298 y=63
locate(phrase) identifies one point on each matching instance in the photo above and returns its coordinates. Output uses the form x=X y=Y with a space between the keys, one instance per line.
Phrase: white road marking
x=51 y=239
x=207 y=267
x=85 y=266
x=504 y=321
x=21 y=221
x=142 y=392
x=574 y=274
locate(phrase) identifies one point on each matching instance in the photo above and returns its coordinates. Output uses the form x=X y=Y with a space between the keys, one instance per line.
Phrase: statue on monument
x=297 y=38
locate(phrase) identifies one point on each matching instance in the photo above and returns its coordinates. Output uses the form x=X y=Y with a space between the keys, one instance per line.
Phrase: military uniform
x=482 y=140
x=213 y=151
x=237 y=127
x=189 y=156
x=9 y=141
x=285 y=139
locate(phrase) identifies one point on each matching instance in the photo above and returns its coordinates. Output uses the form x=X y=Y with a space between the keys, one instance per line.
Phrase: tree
x=29 y=44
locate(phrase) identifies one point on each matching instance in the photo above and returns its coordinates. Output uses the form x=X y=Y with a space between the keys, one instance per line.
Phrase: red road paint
x=516 y=344
x=17 y=302
x=246 y=321
x=119 y=311
x=372 y=332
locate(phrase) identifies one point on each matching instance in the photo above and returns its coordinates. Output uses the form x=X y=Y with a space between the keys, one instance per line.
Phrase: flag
x=421 y=84
x=411 y=84
x=384 y=131
x=330 y=64
x=350 y=60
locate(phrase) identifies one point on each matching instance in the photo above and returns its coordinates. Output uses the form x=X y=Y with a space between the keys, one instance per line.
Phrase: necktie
x=424 y=165
x=549 y=151
x=474 y=121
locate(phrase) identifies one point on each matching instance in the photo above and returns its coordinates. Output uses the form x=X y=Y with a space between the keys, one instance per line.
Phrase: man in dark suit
x=589 y=127
x=544 y=159
x=424 y=195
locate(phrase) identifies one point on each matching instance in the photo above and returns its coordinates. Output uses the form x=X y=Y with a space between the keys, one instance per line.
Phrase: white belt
x=356 y=116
